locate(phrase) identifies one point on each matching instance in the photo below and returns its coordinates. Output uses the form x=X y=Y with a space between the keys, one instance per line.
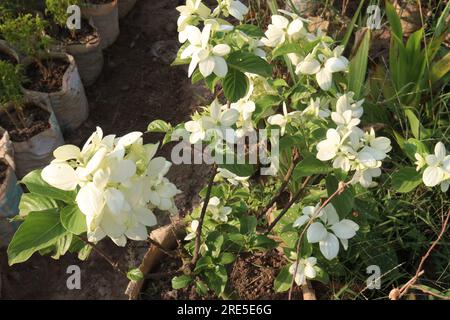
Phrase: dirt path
x=136 y=87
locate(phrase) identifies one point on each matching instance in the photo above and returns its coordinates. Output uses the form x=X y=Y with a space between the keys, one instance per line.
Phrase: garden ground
x=136 y=87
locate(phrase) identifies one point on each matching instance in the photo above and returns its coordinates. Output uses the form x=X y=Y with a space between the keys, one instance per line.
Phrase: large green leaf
x=181 y=282
x=248 y=62
x=34 y=202
x=406 y=180
x=311 y=165
x=250 y=30
x=235 y=85
x=358 y=66
x=40 y=230
x=283 y=280
x=35 y=184
x=73 y=219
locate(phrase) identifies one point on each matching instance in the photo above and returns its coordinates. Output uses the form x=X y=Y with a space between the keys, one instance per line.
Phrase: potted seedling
x=52 y=76
x=83 y=44
x=6 y=53
x=105 y=16
x=125 y=6
x=30 y=123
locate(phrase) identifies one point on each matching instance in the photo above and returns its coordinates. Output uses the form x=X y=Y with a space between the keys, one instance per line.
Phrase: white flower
x=188 y=13
x=232 y=178
x=438 y=168
x=328 y=149
x=219 y=213
x=216 y=122
x=192 y=230
x=208 y=58
x=346 y=102
x=253 y=45
x=305 y=270
x=117 y=179
x=420 y=161
x=329 y=231
x=282 y=120
x=315 y=109
x=282 y=30
x=364 y=176
x=377 y=146
x=232 y=8
x=244 y=123
x=323 y=66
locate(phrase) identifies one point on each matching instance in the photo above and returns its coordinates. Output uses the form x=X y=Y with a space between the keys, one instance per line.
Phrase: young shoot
x=10 y=94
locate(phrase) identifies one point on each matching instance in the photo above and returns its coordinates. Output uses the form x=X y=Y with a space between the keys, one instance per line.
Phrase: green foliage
x=58 y=10
x=27 y=34
x=52 y=222
x=11 y=79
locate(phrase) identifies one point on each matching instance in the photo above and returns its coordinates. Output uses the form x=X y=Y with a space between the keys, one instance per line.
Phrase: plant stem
x=287 y=177
x=289 y=204
x=338 y=191
x=160 y=247
x=202 y=217
x=103 y=254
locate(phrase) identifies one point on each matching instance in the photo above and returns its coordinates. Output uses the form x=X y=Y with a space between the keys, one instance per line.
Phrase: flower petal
x=316 y=232
x=329 y=246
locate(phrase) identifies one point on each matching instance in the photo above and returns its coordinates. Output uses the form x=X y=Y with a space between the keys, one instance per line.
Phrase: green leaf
x=201 y=288
x=33 y=202
x=203 y=263
x=135 y=275
x=159 y=126
x=249 y=62
x=321 y=275
x=413 y=146
x=283 y=280
x=358 y=66
x=250 y=30
x=344 y=202
x=440 y=68
x=417 y=128
x=62 y=246
x=235 y=85
x=287 y=48
x=406 y=180
x=181 y=282
x=35 y=184
x=217 y=279
x=40 y=230
x=73 y=219
x=262 y=242
x=310 y=165
x=394 y=20
x=226 y=258
x=241 y=170
x=248 y=224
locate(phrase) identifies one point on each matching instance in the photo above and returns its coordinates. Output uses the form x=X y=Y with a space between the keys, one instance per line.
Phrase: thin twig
x=195 y=257
x=103 y=254
x=287 y=177
x=398 y=293
x=289 y=204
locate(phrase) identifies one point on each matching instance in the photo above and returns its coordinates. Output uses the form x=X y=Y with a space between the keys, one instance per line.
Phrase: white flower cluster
x=321 y=62
x=305 y=270
x=437 y=167
x=328 y=231
x=350 y=148
x=208 y=57
x=118 y=183
x=218 y=122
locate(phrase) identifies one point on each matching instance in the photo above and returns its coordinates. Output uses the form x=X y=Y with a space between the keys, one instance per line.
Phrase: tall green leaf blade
x=358 y=66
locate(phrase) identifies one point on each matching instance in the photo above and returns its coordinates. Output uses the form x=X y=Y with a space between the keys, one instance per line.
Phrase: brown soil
x=3 y=169
x=84 y=35
x=136 y=87
x=8 y=58
x=253 y=276
x=34 y=119
x=49 y=82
